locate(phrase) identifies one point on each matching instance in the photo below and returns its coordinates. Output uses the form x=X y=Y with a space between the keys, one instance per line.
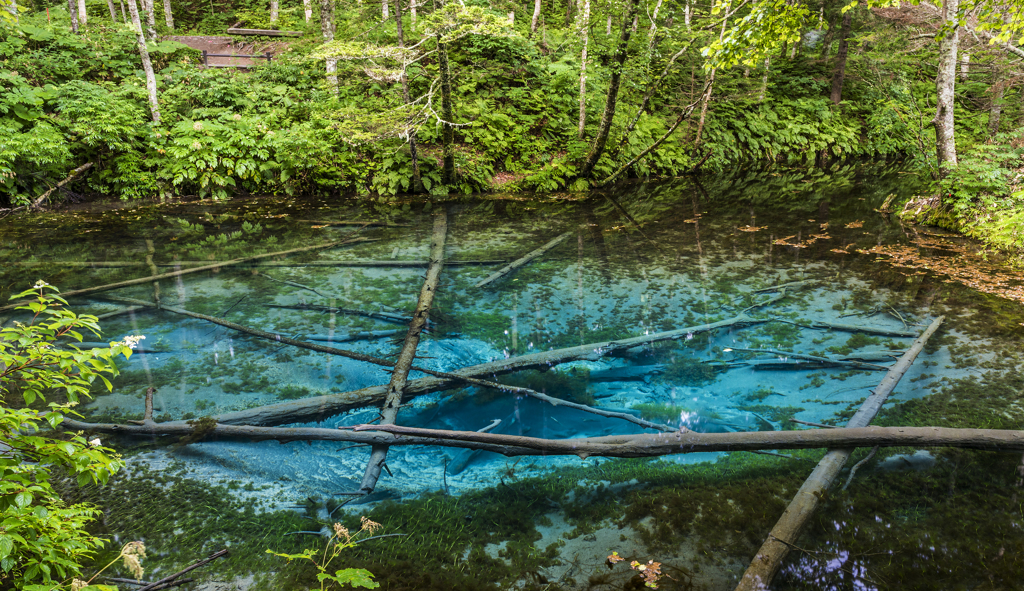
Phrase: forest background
x=493 y=95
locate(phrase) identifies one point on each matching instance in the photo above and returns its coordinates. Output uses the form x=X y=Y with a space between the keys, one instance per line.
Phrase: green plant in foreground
x=341 y=540
x=42 y=539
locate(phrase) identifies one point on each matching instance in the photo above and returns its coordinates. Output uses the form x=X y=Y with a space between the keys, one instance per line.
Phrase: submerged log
x=643 y=445
x=141 y=280
x=822 y=360
x=400 y=375
x=769 y=558
x=318 y=408
x=822 y=325
x=285 y=264
x=351 y=336
x=522 y=261
x=385 y=316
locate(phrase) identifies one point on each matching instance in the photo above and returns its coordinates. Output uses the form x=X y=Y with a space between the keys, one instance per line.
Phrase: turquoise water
x=637 y=261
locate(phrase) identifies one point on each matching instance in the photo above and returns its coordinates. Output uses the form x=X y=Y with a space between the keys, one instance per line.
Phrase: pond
x=845 y=286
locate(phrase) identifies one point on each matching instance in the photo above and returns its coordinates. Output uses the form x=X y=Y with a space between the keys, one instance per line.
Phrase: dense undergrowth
x=68 y=99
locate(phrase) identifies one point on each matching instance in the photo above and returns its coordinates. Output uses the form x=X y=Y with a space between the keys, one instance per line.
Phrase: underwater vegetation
x=687 y=371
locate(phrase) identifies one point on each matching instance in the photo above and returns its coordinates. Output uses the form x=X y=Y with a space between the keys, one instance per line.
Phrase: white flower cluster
x=131 y=341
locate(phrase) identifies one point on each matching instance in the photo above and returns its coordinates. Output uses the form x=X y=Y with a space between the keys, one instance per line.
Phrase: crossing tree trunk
x=618 y=63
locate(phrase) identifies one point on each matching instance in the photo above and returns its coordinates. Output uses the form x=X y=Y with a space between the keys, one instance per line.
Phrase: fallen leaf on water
x=751 y=228
x=856 y=224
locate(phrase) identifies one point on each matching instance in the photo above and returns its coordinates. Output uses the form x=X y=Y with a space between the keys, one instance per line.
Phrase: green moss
x=856 y=341
x=660 y=412
x=687 y=371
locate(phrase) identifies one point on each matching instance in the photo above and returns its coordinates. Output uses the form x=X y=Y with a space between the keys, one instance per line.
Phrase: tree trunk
x=307 y=7
x=764 y=78
x=945 y=81
x=83 y=16
x=124 y=15
x=327 y=28
x=618 y=63
x=148 y=7
x=608 y=26
x=688 y=14
x=168 y=15
x=584 y=28
x=996 y=108
x=384 y=12
x=965 y=66
x=147 y=66
x=711 y=85
x=536 y=17
x=273 y=11
x=447 y=116
x=839 y=73
x=113 y=11
x=786 y=532
x=400 y=375
x=654 y=26
x=73 y=11
x=417 y=182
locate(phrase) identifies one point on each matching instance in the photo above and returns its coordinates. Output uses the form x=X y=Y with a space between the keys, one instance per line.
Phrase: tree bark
x=536 y=17
x=73 y=11
x=273 y=11
x=654 y=26
x=149 y=9
x=520 y=262
x=584 y=28
x=322 y=407
x=417 y=182
x=384 y=13
x=71 y=176
x=113 y=11
x=839 y=73
x=710 y=86
x=995 y=108
x=447 y=116
x=147 y=67
x=965 y=66
x=307 y=7
x=141 y=280
x=612 y=446
x=769 y=558
x=327 y=29
x=618 y=64
x=400 y=375
x=83 y=16
x=168 y=15
x=945 y=80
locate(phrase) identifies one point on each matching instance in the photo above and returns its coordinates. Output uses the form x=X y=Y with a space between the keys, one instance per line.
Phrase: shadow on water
x=635 y=261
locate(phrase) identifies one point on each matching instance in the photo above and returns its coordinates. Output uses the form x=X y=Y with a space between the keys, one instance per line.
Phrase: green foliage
x=661 y=412
x=43 y=540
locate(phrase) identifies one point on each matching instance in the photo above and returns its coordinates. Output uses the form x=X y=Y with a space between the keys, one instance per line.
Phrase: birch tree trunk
x=274 y=10
x=536 y=17
x=83 y=17
x=73 y=11
x=113 y=11
x=307 y=7
x=965 y=66
x=327 y=28
x=839 y=73
x=384 y=13
x=711 y=84
x=447 y=114
x=618 y=63
x=149 y=8
x=147 y=66
x=124 y=15
x=945 y=82
x=584 y=25
x=168 y=15
x=654 y=26
x=417 y=182
x=687 y=14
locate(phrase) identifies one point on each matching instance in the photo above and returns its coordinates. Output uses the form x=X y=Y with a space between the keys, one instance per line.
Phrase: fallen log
x=400 y=375
x=385 y=316
x=74 y=174
x=318 y=408
x=522 y=261
x=835 y=362
x=147 y=583
x=286 y=264
x=141 y=280
x=768 y=560
x=163 y=583
x=642 y=445
x=351 y=336
x=799 y=283
x=822 y=325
